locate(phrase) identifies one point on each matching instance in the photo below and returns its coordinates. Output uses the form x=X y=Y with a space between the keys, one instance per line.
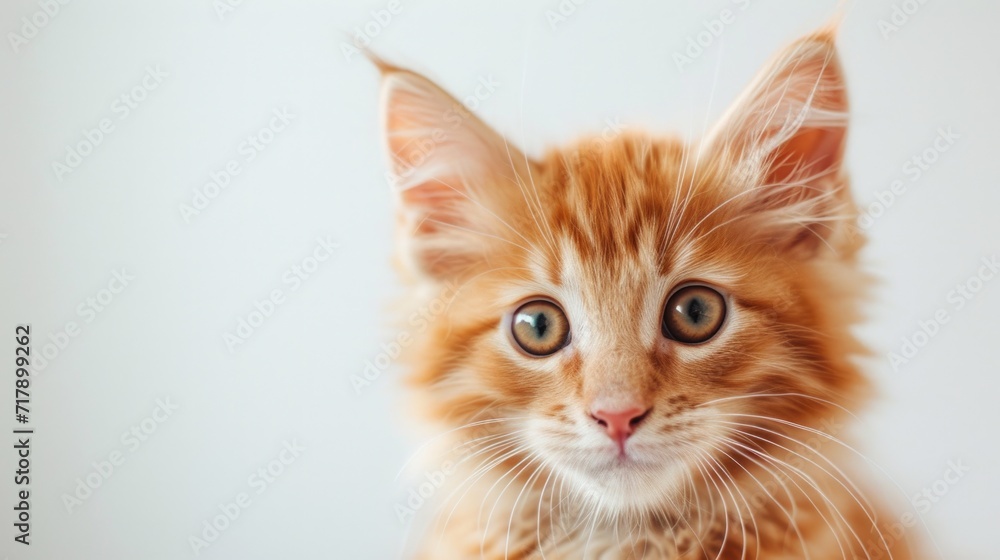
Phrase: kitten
x=639 y=347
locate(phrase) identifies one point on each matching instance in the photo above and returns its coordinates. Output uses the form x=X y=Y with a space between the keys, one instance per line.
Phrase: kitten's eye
x=693 y=314
x=540 y=328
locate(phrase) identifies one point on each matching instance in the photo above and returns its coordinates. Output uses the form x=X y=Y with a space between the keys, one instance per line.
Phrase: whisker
x=475 y=424
x=815 y=486
x=853 y=491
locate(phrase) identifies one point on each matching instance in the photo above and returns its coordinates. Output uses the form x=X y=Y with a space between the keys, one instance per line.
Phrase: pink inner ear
x=436 y=203
x=811 y=152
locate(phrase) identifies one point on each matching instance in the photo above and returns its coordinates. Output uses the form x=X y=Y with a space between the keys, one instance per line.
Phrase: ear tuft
x=384 y=67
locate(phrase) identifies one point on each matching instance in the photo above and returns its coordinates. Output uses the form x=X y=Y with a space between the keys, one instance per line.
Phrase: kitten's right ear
x=785 y=139
x=454 y=176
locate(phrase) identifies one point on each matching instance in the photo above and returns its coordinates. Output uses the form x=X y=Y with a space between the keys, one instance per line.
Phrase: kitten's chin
x=630 y=484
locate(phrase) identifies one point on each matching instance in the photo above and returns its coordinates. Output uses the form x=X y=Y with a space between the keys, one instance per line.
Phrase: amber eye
x=540 y=328
x=693 y=314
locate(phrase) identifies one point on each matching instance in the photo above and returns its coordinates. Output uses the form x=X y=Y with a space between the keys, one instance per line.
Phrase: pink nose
x=619 y=424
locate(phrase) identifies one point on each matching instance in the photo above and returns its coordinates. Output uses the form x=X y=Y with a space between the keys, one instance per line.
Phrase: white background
x=162 y=336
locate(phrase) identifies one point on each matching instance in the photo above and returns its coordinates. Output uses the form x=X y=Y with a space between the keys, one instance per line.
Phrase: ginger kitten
x=640 y=346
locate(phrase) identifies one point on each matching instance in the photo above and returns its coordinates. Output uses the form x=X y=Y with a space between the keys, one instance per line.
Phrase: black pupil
x=540 y=323
x=696 y=310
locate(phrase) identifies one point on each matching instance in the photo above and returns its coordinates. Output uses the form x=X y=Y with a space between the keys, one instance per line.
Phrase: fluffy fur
x=741 y=454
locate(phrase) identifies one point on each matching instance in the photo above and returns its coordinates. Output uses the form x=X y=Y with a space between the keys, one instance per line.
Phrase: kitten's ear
x=454 y=176
x=785 y=137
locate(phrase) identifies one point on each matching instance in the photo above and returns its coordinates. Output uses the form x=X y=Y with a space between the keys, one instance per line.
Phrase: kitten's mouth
x=627 y=460
x=625 y=465
x=620 y=455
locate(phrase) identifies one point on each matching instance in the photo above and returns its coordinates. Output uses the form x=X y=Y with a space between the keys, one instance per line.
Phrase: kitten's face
x=627 y=308
x=660 y=317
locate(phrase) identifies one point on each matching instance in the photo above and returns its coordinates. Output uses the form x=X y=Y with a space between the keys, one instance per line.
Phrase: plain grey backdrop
x=102 y=240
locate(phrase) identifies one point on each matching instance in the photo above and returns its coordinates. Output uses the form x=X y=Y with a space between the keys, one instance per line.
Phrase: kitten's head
x=623 y=309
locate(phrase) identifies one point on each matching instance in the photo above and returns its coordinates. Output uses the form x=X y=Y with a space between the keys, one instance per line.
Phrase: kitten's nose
x=619 y=424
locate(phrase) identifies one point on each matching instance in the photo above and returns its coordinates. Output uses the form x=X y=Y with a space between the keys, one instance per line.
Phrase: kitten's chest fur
x=759 y=514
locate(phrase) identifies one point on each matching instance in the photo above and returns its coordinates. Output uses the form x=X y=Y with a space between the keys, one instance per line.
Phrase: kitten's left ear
x=785 y=137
